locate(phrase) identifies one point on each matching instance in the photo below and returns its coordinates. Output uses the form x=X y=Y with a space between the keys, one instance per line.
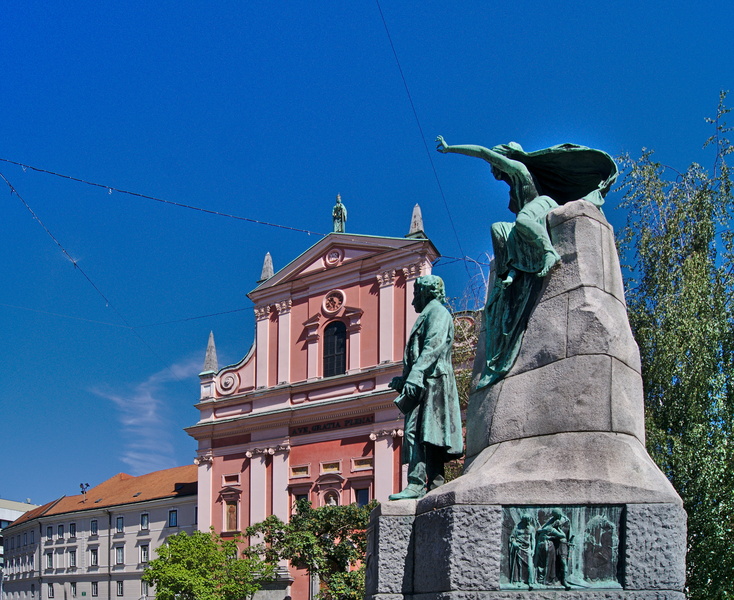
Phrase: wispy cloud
x=145 y=418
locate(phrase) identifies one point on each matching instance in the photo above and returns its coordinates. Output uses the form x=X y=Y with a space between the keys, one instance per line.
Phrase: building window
x=50 y=590
x=93 y=527
x=120 y=555
x=299 y=471
x=173 y=518
x=60 y=532
x=120 y=525
x=94 y=557
x=49 y=532
x=95 y=588
x=120 y=591
x=33 y=537
x=50 y=560
x=33 y=590
x=362 y=496
x=230 y=515
x=72 y=585
x=144 y=521
x=362 y=464
x=144 y=553
x=25 y=538
x=72 y=558
x=233 y=479
x=331 y=467
x=31 y=560
x=335 y=349
x=72 y=530
x=144 y=588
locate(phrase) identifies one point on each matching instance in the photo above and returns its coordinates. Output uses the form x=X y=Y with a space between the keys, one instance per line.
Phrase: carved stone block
x=390 y=549
x=568 y=395
x=656 y=547
x=465 y=542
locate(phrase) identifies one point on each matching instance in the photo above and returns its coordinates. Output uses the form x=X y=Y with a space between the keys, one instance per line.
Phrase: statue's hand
x=397 y=384
x=441 y=145
x=410 y=390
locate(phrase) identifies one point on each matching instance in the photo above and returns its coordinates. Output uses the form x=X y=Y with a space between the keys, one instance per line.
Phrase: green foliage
x=680 y=285
x=330 y=541
x=203 y=566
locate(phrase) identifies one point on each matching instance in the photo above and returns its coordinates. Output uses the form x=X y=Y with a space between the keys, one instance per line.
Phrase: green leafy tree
x=679 y=286
x=203 y=566
x=330 y=542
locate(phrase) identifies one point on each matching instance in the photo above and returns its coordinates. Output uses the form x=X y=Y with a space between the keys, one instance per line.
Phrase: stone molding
x=284 y=306
x=386 y=278
x=262 y=312
x=269 y=451
x=204 y=459
x=228 y=383
x=385 y=433
x=412 y=271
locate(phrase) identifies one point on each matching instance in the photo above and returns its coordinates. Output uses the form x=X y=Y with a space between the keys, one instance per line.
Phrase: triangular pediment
x=334 y=250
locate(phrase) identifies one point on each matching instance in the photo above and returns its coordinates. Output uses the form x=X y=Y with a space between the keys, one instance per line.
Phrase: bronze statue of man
x=428 y=395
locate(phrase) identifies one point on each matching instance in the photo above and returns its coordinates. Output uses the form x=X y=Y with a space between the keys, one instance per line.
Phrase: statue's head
x=427 y=288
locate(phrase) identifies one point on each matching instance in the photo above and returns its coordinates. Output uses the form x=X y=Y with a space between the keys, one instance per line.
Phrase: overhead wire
x=422 y=134
x=447 y=260
x=161 y=200
x=25 y=166
x=65 y=252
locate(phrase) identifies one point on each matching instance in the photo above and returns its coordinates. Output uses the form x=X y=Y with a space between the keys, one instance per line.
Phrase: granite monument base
x=460 y=552
x=559 y=498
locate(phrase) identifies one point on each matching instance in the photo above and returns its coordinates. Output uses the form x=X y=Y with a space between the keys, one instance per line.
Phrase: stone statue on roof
x=339 y=214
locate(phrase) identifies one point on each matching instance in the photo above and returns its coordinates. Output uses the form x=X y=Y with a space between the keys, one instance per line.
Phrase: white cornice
x=310 y=412
x=298 y=387
x=396 y=250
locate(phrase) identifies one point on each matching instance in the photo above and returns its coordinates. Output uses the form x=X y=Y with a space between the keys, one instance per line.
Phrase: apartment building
x=96 y=544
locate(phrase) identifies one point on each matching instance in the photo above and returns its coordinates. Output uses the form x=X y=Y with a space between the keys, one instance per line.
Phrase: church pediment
x=334 y=250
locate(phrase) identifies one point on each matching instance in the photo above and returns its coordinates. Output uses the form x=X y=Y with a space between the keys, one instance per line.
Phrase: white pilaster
x=353 y=330
x=280 y=483
x=312 y=347
x=284 y=340
x=262 y=333
x=258 y=488
x=412 y=272
x=386 y=280
x=204 y=502
x=384 y=464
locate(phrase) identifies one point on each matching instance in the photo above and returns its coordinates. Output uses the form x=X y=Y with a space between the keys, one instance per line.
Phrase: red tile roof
x=122 y=489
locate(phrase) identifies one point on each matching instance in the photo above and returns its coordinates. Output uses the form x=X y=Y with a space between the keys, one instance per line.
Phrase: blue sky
x=267 y=110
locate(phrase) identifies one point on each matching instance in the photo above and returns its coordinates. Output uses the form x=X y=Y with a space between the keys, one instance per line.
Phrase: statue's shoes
x=409 y=493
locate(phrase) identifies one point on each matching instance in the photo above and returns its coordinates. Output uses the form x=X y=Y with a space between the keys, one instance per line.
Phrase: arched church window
x=335 y=349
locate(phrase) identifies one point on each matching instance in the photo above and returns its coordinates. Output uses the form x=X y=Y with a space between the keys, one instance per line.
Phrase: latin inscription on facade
x=571 y=547
x=345 y=423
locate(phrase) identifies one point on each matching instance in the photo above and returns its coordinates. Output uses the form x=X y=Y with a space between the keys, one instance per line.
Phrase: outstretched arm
x=497 y=160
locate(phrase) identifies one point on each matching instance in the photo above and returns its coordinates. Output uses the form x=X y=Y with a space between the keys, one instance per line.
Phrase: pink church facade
x=307 y=413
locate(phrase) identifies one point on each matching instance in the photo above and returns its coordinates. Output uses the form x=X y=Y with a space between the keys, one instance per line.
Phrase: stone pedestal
x=563 y=430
